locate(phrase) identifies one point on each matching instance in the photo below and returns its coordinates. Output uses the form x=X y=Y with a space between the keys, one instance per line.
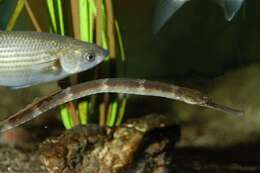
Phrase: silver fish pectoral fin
x=20 y=86
x=39 y=75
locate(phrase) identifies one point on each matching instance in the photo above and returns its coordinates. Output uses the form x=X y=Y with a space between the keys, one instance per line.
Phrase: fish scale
x=29 y=58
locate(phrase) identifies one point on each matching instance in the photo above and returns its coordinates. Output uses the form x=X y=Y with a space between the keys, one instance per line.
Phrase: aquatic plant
x=91 y=21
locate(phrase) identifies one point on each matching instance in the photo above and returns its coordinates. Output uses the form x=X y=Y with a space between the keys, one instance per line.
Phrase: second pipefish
x=113 y=85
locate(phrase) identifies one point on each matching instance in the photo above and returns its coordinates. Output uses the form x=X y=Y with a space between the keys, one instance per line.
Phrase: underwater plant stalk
x=32 y=17
x=17 y=11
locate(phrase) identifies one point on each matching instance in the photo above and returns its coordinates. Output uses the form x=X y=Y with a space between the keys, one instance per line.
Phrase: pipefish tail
x=112 y=85
x=28 y=58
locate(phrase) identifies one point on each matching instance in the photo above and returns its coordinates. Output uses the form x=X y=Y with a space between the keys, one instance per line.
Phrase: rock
x=140 y=145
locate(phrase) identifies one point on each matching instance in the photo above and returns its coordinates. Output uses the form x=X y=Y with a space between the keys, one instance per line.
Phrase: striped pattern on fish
x=29 y=58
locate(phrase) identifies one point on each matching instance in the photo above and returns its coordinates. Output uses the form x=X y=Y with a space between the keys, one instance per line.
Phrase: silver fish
x=28 y=58
x=166 y=8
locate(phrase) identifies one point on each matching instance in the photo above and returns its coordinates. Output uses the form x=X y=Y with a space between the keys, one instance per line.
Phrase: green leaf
x=66 y=118
x=51 y=10
x=17 y=11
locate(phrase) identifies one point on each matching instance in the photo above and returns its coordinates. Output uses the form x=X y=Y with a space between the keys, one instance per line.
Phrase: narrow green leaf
x=121 y=111
x=83 y=112
x=120 y=41
x=17 y=11
x=83 y=15
x=92 y=6
x=60 y=14
x=104 y=40
x=65 y=116
x=112 y=117
x=51 y=10
x=91 y=12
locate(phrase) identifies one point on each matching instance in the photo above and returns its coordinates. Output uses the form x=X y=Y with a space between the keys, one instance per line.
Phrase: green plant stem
x=120 y=41
x=17 y=11
x=121 y=111
x=75 y=7
x=83 y=112
x=99 y=22
x=65 y=117
x=32 y=17
x=91 y=12
x=51 y=10
x=60 y=14
x=113 y=112
x=83 y=17
x=110 y=28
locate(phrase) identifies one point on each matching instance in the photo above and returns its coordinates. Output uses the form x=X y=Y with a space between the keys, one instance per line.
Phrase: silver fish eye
x=90 y=57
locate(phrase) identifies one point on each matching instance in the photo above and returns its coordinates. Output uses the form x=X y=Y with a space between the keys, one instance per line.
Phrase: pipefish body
x=113 y=85
x=28 y=58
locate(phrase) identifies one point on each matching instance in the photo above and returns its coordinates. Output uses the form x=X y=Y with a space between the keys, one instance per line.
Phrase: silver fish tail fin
x=230 y=7
x=166 y=8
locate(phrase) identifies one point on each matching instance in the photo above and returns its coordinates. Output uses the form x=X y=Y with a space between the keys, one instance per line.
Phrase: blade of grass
x=99 y=22
x=80 y=25
x=104 y=42
x=75 y=17
x=32 y=17
x=83 y=112
x=113 y=112
x=60 y=14
x=17 y=11
x=91 y=12
x=102 y=113
x=83 y=17
x=109 y=18
x=65 y=117
x=68 y=112
x=99 y=28
x=121 y=111
x=120 y=41
x=85 y=34
x=110 y=28
x=76 y=29
x=51 y=10
x=122 y=107
x=73 y=114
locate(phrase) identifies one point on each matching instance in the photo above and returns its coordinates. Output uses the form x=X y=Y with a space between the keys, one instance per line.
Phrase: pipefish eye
x=90 y=57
